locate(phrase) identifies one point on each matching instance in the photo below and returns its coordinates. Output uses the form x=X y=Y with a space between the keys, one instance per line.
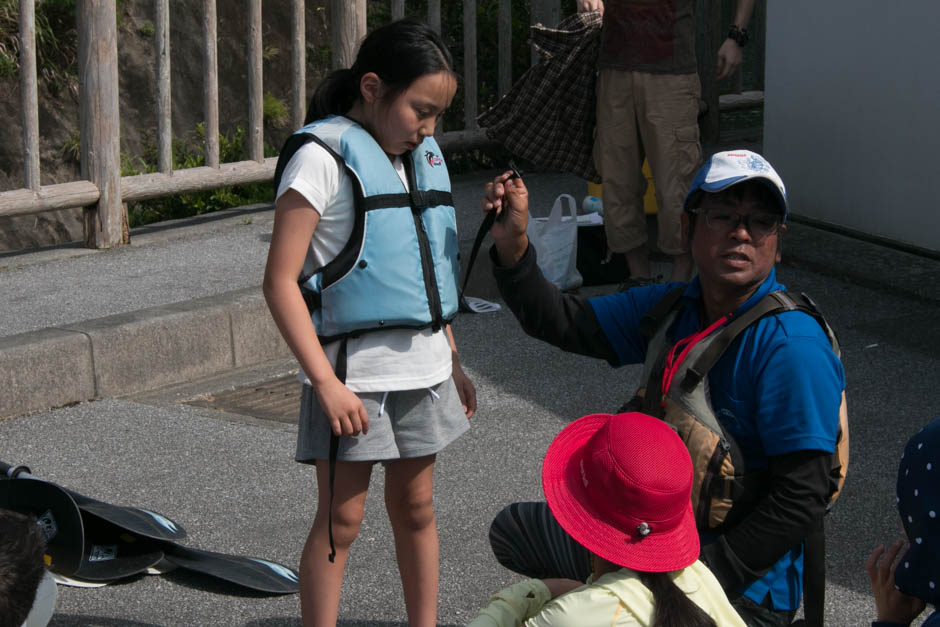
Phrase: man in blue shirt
x=777 y=389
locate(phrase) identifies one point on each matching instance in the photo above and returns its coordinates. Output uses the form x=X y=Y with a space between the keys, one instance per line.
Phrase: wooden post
x=100 y=122
x=546 y=13
x=161 y=52
x=255 y=95
x=470 y=64
x=504 y=45
x=708 y=39
x=298 y=65
x=348 y=19
x=211 y=84
x=398 y=9
x=434 y=15
x=29 y=97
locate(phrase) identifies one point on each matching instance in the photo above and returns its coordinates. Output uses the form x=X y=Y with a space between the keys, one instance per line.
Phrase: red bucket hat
x=621 y=485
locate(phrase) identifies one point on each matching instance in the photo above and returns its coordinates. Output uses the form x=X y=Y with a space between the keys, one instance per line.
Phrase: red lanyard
x=685 y=344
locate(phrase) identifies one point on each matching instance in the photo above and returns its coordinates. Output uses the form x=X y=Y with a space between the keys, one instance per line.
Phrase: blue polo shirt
x=777 y=390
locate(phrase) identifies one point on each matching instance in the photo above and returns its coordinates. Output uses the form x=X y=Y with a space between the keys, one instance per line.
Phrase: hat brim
x=722 y=184
x=660 y=551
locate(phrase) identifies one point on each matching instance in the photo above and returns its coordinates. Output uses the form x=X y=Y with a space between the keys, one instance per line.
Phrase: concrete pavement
x=179 y=315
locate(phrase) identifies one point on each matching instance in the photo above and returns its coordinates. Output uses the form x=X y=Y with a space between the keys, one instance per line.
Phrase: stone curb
x=135 y=352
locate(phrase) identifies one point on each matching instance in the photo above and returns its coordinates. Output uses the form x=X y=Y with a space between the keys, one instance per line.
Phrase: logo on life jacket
x=433 y=159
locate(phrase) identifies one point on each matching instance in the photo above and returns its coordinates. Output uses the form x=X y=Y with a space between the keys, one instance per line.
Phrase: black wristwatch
x=738 y=35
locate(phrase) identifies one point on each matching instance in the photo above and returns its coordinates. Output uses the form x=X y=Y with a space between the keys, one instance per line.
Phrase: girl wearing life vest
x=361 y=281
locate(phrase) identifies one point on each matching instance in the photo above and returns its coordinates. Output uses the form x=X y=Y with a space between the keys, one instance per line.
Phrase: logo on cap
x=755 y=164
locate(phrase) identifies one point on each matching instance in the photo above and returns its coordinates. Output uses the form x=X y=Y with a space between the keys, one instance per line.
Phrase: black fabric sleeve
x=795 y=504
x=546 y=313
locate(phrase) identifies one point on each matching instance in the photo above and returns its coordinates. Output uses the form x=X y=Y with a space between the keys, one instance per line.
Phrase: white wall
x=852 y=113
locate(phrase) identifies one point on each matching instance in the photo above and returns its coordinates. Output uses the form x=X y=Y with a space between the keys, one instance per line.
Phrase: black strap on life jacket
x=418 y=199
x=334 y=446
x=649 y=403
x=773 y=303
x=651 y=320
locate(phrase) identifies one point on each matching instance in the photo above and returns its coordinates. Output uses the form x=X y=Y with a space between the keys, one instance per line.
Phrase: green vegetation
x=72 y=148
x=319 y=56
x=147 y=29
x=275 y=111
x=56 y=42
x=188 y=152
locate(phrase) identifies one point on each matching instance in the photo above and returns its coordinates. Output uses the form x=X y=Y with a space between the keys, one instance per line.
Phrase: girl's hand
x=465 y=389
x=343 y=408
x=510 y=198
x=892 y=605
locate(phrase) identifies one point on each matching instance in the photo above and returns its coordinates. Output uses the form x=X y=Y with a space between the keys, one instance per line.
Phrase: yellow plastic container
x=649 y=199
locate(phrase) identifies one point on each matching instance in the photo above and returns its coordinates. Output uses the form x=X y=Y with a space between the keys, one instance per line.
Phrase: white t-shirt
x=379 y=361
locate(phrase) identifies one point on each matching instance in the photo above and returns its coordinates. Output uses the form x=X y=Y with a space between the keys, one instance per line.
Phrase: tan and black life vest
x=723 y=489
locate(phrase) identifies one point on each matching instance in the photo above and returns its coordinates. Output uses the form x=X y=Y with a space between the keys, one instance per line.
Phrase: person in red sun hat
x=620 y=486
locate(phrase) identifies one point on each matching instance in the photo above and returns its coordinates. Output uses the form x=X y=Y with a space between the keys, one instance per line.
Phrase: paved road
x=230 y=479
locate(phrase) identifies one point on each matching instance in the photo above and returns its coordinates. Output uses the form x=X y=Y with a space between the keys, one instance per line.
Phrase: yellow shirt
x=617 y=598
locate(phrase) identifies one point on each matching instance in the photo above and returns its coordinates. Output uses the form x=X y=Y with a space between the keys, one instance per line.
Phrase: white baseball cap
x=724 y=169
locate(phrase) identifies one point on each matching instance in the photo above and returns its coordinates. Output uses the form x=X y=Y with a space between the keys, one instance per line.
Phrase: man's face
x=735 y=259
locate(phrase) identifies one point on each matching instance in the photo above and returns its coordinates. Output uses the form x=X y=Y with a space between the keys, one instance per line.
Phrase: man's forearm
x=742 y=13
x=795 y=503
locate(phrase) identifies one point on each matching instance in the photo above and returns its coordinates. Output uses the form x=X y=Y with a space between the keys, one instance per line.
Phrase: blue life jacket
x=399 y=267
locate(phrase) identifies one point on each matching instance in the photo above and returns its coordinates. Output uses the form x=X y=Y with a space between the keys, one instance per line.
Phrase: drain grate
x=277 y=399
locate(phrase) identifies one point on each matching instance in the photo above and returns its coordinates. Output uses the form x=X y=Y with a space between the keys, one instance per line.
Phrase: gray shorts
x=409 y=423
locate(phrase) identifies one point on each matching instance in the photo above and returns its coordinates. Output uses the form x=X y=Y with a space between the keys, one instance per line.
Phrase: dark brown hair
x=671 y=606
x=399 y=53
x=21 y=565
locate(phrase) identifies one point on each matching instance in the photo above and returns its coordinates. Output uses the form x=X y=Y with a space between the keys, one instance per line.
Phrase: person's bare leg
x=682 y=267
x=321 y=581
x=409 y=500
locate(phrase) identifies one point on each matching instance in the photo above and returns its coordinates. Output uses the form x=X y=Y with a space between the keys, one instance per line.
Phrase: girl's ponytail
x=672 y=607
x=335 y=95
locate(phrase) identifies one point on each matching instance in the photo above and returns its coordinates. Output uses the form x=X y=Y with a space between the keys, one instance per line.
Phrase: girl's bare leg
x=409 y=492
x=320 y=580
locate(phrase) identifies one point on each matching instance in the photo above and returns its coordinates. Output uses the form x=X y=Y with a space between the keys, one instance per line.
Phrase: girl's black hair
x=672 y=608
x=399 y=53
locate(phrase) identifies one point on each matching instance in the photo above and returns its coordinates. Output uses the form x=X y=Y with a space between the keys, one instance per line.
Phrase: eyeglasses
x=759 y=224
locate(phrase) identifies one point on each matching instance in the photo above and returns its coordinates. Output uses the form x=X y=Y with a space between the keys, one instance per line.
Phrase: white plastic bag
x=555 y=239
